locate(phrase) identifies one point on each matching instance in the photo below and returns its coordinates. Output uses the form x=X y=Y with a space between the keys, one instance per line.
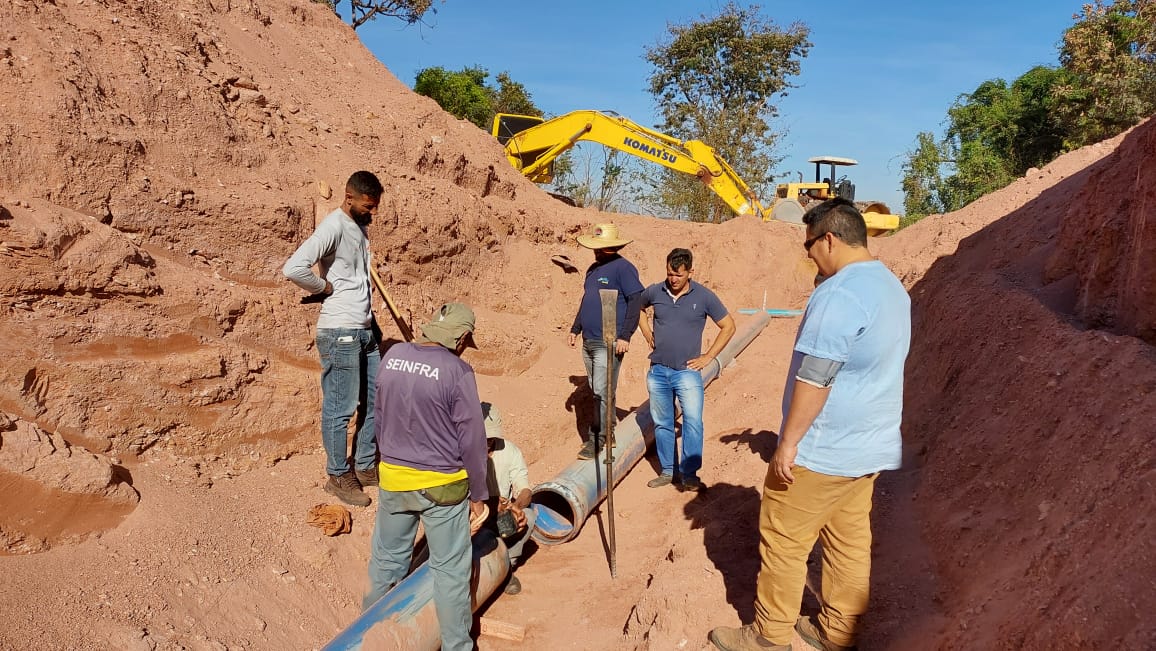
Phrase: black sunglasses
x=811 y=242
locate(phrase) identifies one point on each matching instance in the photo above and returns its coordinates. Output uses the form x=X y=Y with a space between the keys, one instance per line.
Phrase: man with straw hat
x=609 y=271
x=433 y=456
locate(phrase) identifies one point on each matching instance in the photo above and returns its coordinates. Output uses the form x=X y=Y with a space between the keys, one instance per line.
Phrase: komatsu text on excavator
x=533 y=143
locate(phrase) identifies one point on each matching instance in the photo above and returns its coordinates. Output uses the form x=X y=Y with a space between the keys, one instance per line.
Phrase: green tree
x=1039 y=134
x=997 y=132
x=924 y=191
x=1105 y=84
x=511 y=97
x=1110 y=54
x=362 y=11
x=465 y=94
x=980 y=137
x=595 y=177
x=462 y=94
x=716 y=80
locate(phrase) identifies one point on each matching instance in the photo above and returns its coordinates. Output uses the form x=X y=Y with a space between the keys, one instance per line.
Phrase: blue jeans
x=665 y=385
x=349 y=361
x=594 y=358
x=447 y=533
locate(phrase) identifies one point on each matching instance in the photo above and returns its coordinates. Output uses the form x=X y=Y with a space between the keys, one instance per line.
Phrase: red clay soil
x=159 y=398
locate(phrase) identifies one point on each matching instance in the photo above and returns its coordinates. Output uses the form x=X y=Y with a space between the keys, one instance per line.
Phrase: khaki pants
x=835 y=510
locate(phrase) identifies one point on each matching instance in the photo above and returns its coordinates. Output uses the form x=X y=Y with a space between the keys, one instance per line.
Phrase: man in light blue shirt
x=345 y=337
x=842 y=408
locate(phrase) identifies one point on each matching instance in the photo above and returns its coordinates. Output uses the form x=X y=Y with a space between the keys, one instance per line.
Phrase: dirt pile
x=1108 y=240
x=1032 y=432
x=165 y=159
x=89 y=489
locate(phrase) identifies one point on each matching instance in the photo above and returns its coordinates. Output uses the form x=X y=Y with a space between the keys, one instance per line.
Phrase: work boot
x=513 y=586
x=347 y=489
x=593 y=445
x=743 y=638
x=691 y=485
x=660 y=481
x=809 y=630
x=367 y=477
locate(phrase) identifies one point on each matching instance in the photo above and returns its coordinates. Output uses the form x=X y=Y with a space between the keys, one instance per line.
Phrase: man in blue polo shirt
x=609 y=271
x=681 y=307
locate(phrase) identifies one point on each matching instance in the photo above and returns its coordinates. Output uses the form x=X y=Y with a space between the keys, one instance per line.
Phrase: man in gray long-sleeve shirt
x=345 y=339
x=433 y=442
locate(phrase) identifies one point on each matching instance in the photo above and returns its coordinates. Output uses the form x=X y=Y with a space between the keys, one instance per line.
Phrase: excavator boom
x=531 y=148
x=533 y=143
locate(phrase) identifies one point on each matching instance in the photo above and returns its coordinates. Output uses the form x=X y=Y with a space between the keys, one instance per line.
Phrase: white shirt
x=510 y=475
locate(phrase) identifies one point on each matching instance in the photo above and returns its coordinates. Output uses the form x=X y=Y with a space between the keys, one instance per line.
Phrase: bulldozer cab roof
x=833 y=160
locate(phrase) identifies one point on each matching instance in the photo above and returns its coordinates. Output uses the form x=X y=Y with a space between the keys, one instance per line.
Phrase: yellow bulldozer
x=793 y=199
x=533 y=143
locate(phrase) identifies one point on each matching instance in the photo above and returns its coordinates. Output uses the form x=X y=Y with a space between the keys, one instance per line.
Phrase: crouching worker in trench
x=509 y=481
x=433 y=467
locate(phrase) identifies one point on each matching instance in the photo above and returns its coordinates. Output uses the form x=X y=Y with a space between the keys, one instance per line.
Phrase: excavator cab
x=508 y=125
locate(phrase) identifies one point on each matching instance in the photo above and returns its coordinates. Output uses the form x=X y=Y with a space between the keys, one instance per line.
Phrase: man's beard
x=362 y=220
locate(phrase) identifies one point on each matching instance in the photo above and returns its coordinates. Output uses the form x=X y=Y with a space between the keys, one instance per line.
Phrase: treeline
x=467 y=95
x=1104 y=84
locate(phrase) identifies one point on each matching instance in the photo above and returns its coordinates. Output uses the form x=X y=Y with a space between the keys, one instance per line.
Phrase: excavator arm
x=532 y=144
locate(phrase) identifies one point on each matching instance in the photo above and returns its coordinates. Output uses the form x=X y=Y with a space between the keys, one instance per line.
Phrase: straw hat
x=604 y=236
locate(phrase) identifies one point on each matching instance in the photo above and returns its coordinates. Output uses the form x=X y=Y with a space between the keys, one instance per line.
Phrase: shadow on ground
x=729 y=516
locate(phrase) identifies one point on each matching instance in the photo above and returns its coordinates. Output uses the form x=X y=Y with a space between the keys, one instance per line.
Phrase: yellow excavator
x=533 y=143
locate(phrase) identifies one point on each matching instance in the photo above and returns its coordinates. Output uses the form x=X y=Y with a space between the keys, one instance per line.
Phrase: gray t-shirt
x=342 y=249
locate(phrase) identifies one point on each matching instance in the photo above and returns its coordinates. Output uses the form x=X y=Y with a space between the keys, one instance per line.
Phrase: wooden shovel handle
x=406 y=331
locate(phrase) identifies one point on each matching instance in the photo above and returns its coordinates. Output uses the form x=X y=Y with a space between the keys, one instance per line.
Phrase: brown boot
x=809 y=630
x=367 y=477
x=513 y=586
x=347 y=489
x=743 y=638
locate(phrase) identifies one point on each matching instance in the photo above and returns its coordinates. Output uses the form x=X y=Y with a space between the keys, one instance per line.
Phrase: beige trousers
x=835 y=510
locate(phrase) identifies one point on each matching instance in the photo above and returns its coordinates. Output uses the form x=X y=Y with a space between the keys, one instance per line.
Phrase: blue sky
x=878 y=72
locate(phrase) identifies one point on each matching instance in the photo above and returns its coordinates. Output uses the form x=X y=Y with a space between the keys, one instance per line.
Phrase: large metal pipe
x=404 y=619
x=564 y=503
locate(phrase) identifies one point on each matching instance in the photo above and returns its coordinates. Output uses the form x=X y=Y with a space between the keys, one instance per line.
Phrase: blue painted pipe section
x=404 y=618
x=772 y=312
x=565 y=502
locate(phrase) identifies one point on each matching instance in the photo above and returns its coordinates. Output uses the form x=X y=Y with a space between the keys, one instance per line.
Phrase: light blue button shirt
x=861 y=317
